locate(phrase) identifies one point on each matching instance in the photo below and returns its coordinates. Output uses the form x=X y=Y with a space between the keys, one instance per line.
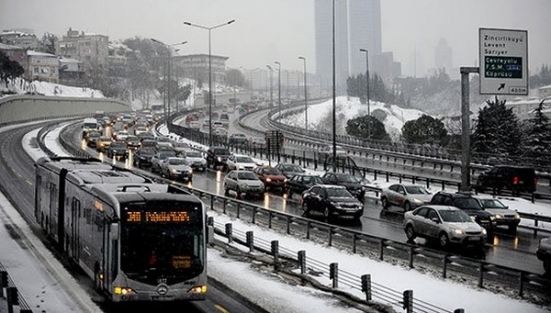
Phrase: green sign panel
x=503 y=67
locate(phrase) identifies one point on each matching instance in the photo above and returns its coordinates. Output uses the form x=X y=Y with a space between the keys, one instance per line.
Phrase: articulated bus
x=138 y=240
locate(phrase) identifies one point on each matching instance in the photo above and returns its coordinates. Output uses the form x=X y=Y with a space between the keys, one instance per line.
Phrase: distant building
x=88 y=48
x=117 y=59
x=385 y=66
x=71 y=72
x=443 y=56
x=15 y=53
x=196 y=66
x=21 y=39
x=42 y=66
x=357 y=26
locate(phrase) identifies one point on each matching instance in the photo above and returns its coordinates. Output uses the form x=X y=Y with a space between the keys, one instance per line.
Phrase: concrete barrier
x=21 y=108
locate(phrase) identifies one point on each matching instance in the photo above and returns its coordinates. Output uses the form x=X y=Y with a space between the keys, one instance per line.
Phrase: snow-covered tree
x=497 y=132
x=537 y=145
x=367 y=127
x=425 y=129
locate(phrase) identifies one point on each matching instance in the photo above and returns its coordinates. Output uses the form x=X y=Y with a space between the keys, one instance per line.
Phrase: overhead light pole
x=279 y=87
x=210 y=69
x=367 y=90
x=271 y=83
x=169 y=65
x=334 y=95
x=305 y=96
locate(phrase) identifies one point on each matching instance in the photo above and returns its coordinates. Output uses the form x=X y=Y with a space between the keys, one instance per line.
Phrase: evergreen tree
x=425 y=129
x=367 y=127
x=497 y=132
x=9 y=69
x=537 y=145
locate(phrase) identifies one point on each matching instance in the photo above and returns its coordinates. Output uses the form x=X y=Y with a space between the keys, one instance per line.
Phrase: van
x=507 y=177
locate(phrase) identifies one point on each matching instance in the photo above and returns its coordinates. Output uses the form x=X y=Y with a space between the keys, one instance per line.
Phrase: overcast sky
x=281 y=30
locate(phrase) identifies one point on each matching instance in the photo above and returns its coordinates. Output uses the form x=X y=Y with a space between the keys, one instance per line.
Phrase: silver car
x=176 y=167
x=444 y=224
x=243 y=182
x=407 y=196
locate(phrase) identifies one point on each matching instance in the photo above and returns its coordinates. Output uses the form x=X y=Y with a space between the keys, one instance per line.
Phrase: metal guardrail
x=485 y=274
x=10 y=295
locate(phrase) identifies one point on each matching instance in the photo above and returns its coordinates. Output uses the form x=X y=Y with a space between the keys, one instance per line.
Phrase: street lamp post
x=334 y=94
x=210 y=70
x=279 y=87
x=169 y=64
x=305 y=96
x=367 y=80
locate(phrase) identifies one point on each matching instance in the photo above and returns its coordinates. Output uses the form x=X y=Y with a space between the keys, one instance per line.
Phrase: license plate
x=474 y=238
x=162 y=298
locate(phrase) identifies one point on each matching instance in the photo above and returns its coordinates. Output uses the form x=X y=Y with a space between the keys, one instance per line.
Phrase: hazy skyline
x=267 y=31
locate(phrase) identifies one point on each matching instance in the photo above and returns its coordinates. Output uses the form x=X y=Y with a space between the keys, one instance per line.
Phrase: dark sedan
x=299 y=183
x=331 y=200
x=289 y=169
x=142 y=157
x=351 y=182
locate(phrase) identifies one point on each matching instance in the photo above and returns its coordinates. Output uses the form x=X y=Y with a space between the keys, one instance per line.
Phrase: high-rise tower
x=357 y=26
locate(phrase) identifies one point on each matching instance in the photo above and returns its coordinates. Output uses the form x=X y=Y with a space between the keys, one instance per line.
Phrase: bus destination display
x=158 y=217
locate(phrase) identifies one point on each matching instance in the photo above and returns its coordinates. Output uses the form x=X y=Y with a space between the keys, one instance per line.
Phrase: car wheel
x=305 y=209
x=407 y=206
x=443 y=240
x=410 y=233
x=238 y=191
x=384 y=202
x=226 y=191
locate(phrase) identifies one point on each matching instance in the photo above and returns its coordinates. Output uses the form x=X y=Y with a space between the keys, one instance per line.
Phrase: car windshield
x=244 y=159
x=292 y=168
x=347 y=179
x=177 y=161
x=492 y=204
x=416 y=190
x=272 y=171
x=467 y=203
x=455 y=216
x=246 y=176
x=338 y=193
x=193 y=154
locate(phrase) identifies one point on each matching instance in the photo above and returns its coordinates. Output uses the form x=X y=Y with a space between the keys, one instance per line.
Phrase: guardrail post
x=12 y=298
x=250 y=240
x=210 y=221
x=275 y=253
x=366 y=286
x=407 y=303
x=536 y=225
x=481 y=276
x=302 y=261
x=253 y=218
x=445 y=266
x=381 y=249
x=330 y=240
x=229 y=232
x=459 y=311
x=308 y=229
x=334 y=274
x=521 y=285
x=288 y=224
x=353 y=243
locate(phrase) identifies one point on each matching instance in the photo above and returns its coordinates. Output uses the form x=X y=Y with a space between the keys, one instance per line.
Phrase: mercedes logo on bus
x=162 y=289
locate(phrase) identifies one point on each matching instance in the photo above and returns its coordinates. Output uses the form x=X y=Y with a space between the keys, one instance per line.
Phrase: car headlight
x=458 y=231
x=517 y=216
x=418 y=201
x=219 y=159
x=498 y=216
x=484 y=231
x=268 y=179
x=473 y=218
x=190 y=170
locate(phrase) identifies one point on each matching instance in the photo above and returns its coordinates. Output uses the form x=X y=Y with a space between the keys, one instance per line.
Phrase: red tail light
x=515 y=180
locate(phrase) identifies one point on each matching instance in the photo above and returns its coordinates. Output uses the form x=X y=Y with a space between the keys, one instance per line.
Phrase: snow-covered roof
x=69 y=60
x=545 y=87
x=9 y=47
x=38 y=53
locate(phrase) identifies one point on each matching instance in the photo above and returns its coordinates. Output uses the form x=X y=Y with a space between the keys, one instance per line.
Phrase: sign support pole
x=466 y=128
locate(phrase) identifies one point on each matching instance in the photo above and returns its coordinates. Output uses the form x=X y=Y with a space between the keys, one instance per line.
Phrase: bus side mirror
x=114 y=231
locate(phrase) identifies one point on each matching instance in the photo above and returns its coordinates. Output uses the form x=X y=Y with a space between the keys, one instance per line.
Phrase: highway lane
x=17 y=183
x=502 y=248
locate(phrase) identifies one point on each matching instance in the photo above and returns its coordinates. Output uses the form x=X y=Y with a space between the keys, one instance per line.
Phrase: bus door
x=110 y=255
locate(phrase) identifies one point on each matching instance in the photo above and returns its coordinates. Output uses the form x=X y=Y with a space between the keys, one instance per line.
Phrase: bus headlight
x=123 y=291
x=198 y=289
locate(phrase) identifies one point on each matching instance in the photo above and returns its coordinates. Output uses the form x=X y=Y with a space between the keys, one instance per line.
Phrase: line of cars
x=448 y=217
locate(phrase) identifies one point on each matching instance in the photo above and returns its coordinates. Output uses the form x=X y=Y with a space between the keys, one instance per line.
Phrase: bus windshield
x=162 y=244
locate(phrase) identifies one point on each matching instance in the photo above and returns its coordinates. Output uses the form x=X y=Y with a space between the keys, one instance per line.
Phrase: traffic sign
x=503 y=61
